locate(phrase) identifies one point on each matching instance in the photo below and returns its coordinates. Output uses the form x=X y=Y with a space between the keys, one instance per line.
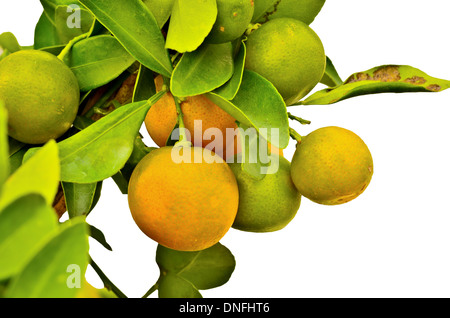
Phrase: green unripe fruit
x=266 y=205
x=41 y=95
x=288 y=53
x=233 y=18
x=303 y=10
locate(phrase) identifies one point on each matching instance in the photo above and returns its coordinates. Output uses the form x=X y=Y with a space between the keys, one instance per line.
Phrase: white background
x=392 y=241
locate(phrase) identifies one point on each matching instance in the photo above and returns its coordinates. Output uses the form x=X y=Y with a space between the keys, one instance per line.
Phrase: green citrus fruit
x=41 y=95
x=303 y=10
x=288 y=53
x=233 y=18
x=331 y=166
x=266 y=205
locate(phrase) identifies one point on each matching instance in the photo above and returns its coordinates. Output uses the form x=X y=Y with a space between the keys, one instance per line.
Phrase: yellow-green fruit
x=233 y=18
x=288 y=53
x=331 y=166
x=41 y=95
x=266 y=205
x=303 y=10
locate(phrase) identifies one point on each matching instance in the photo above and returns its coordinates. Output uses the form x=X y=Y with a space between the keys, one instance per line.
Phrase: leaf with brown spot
x=381 y=79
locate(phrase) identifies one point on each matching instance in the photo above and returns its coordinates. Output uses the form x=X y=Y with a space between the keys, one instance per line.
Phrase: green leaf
x=79 y=197
x=230 y=88
x=16 y=159
x=190 y=23
x=173 y=286
x=14 y=145
x=40 y=174
x=161 y=9
x=145 y=85
x=52 y=272
x=258 y=104
x=331 y=77
x=112 y=137
x=98 y=235
x=136 y=29
x=24 y=226
x=381 y=79
x=203 y=70
x=140 y=150
x=205 y=269
x=71 y=22
x=9 y=42
x=45 y=34
x=4 y=148
x=254 y=159
x=97 y=60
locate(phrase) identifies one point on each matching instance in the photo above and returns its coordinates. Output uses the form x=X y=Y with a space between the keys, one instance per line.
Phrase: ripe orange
x=162 y=118
x=41 y=95
x=183 y=206
x=332 y=165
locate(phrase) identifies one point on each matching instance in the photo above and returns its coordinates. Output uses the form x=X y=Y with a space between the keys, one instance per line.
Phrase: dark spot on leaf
x=358 y=77
x=416 y=80
x=434 y=87
x=388 y=73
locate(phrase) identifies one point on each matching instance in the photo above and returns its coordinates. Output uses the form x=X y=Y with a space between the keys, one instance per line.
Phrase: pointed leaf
x=230 y=88
x=24 y=226
x=97 y=60
x=98 y=235
x=331 y=77
x=190 y=23
x=101 y=150
x=382 y=79
x=145 y=85
x=258 y=104
x=136 y=29
x=79 y=197
x=40 y=174
x=48 y=274
x=203 y=70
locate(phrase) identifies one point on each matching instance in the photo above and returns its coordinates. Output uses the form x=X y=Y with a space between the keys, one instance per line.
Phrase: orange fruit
x=162 y=118
x=187 y=205
x=331 y=165
x=41 y=95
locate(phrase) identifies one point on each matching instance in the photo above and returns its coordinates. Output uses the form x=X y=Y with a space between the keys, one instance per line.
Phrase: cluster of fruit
x=190 y=206
x=189 y=72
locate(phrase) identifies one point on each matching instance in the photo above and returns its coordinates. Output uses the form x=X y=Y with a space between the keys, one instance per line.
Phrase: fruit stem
x=295 y=135
x=252 y=27
x=300 y=120
x=151 y=290
x=108 y=284
x=71 y=44
x=183 y=140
